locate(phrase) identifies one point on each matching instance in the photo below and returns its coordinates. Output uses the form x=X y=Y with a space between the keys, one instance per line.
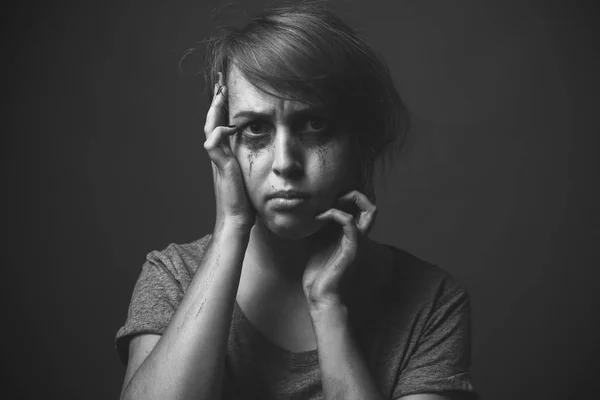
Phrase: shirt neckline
x=289 y=358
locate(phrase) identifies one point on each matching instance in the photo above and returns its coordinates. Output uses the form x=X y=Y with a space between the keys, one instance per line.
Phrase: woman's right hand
x=233 y=205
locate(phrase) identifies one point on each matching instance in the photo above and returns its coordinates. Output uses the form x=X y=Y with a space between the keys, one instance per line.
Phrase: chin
x=292 y=228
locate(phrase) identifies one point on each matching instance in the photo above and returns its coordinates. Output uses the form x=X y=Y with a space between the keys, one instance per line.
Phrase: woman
x=288 y=297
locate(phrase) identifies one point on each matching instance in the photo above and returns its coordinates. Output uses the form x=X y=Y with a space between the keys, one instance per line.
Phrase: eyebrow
x=251 y=114
x=305 y=112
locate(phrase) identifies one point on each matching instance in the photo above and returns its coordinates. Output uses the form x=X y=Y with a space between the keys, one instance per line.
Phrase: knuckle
x=347 y=218
x=208 y=144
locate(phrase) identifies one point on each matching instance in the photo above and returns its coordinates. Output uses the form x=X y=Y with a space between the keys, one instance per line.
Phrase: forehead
x=244 y=96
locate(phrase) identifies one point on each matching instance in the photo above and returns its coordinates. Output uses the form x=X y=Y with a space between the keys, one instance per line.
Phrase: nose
x=286 y=155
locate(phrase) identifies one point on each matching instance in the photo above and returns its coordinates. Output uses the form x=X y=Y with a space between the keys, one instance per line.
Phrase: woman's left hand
x=335 y=253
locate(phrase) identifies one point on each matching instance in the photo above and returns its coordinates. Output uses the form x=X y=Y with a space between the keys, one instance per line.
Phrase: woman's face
x=284 y=145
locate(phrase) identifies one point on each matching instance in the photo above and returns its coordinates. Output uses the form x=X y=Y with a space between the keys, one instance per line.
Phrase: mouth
x=287 y=200
x=286 y=204
x=288 y=194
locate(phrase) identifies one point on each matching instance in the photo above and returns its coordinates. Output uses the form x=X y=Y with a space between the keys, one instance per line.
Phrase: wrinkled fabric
x=417 y=342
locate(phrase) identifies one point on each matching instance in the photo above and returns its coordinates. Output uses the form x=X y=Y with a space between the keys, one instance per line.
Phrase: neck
x=280 y=258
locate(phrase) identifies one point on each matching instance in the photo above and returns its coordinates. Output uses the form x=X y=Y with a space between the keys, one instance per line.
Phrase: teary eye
x=257 y=128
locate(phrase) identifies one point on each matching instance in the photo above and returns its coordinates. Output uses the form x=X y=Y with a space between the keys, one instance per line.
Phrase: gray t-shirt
x=417 y=341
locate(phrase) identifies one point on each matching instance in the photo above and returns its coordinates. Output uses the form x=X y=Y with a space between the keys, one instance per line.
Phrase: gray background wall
x=104 y=162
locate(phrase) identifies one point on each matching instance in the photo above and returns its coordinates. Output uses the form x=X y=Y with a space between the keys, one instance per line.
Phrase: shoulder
x=421 y=284
x=424 y=274
x=179 y=260
x=418 y=336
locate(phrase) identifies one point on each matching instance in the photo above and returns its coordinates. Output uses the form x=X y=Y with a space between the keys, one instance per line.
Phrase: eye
x=257 y=128
x=316 y=125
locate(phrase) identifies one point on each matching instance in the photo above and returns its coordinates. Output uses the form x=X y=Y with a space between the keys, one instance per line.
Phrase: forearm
x=188 y=360
x=344 y=372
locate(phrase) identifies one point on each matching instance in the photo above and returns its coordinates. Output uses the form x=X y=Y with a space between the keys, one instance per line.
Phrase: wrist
x=335 y=314
x=231 y=227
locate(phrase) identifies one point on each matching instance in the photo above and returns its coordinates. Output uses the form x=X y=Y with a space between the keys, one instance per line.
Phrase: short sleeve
x=442 y=357
x=156 y=296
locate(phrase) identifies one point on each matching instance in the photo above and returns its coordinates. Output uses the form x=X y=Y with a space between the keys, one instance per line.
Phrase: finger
x=218 y=149
x=368 y=210
x=215 y=116
x=348 y=255
x=344 y=219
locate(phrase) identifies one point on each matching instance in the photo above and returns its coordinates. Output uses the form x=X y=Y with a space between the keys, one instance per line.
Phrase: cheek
x=335 y=165
x=249 y=152
x=249 y=158
x=252 y=165
x=246 y=158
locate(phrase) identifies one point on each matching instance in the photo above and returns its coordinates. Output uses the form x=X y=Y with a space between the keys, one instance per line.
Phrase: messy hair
x=304 y=52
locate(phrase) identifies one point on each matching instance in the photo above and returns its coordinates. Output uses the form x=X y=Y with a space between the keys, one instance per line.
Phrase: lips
x=288 y=194
x=287 y=200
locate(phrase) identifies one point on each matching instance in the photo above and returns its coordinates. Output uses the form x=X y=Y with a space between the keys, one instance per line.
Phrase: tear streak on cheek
x=323 y=153
x=251 y=157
